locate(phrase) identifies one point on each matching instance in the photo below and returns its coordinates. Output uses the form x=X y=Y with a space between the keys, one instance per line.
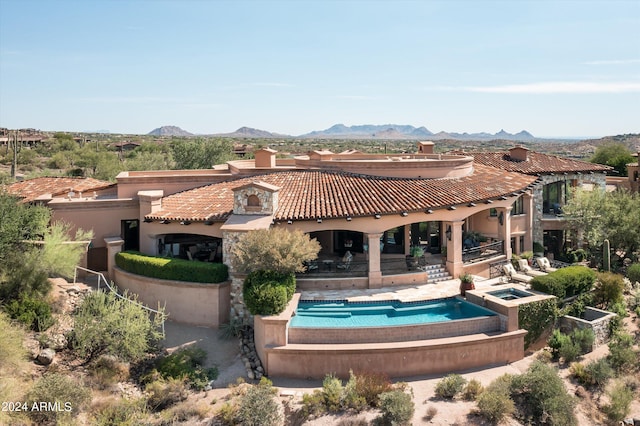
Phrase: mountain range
x=366 y=131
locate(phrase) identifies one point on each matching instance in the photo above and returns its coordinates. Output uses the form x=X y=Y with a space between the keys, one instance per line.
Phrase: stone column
x=455 y=265
x=504 y=228
x=375 y=274
x=527 y=201
x=114 y=246
x=407 y=239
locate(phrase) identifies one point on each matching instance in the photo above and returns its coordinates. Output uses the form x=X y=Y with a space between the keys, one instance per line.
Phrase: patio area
x=408 y=293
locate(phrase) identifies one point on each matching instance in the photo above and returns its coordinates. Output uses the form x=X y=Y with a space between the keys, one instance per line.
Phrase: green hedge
x=172 y=269
x=536 y=318
x=565 y=282
x=268 y=292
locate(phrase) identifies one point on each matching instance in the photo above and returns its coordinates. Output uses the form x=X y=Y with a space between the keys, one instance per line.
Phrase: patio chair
x=523 y=265
x=345 y=262
x=513 y=275
x=545 y=265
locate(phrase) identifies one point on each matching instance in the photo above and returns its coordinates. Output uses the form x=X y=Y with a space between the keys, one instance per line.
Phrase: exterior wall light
x=448 y=232
x=501 y=218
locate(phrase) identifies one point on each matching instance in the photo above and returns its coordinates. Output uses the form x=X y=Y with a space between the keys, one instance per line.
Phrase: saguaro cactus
x=606 y=256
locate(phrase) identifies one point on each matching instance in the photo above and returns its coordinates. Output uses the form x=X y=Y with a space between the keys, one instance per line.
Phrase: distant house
x=126 y=145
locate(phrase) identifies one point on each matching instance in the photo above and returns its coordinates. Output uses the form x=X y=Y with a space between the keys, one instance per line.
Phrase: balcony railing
x=477 y=254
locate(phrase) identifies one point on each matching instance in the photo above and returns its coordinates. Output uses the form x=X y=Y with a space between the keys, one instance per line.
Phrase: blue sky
x=554 y=68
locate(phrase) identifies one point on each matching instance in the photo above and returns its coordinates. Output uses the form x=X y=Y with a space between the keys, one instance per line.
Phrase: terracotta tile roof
x=537 y=163
x=32 y=189
x=311 y=194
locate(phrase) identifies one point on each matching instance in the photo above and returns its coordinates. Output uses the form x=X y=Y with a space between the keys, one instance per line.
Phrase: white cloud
x=356 y=97
x=548 y=87
x=559 y=87
x=614 y=62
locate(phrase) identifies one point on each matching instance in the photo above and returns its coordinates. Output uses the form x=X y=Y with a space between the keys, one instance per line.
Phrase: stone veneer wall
x=598 y=179
x=595 y=319
x=237 y=310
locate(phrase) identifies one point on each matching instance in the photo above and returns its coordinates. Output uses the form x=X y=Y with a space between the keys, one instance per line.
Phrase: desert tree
x=274 y=249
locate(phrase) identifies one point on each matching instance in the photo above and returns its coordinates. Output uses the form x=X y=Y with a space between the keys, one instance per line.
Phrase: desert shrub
x=431 y=413
x=259 y=407
x=351 y=399
x=352 y=422
x=108 y=370
x=32 y=311
x=569 y=351
x=594 y=374
x=584 y=338
x=371 y=384
x=188 y=363
x=107 y=324
x=621 y=356
x=123 y=412
x=556 y=341
x=472 y=390
x=332 y=390
x=227 y=414
x=54 y=388
x=569 y=347
x=313 y=404
x=232 y=329
x=495 y=405
x=450 y=386
x=397 y=407
x=163 y=393
x=13 y=361
x=536 y=318
x=633 y=273
x=186 y=412
x=620 y=398
x=608 y=289
x=166 y=268
x=541 y=397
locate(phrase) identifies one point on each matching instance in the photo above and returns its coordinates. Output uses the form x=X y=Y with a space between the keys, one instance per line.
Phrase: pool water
x=341 y=313
x=510 y=294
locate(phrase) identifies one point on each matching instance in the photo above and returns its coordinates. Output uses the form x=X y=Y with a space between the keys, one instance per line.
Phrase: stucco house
x=376 y=207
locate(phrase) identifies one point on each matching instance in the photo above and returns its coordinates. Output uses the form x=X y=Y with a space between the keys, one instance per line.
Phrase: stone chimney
x=425 y=147
x=519 y=153
x=265 y=158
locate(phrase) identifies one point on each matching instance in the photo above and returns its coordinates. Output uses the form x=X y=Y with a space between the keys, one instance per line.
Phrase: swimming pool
x=510 y=294
x=344 y=314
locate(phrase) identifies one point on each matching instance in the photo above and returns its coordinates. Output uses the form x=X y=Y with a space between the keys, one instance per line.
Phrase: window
x=493 y=213
x=553 y=197
x=518 y=207
x=522 y=243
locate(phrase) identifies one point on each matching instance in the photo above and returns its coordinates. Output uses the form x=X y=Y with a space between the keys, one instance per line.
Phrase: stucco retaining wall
x=395 y=359
x=184 y=302
x=395 y=333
